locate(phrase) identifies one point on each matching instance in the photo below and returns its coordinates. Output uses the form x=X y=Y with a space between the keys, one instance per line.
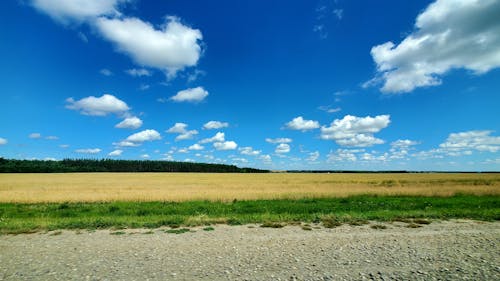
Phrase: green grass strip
x=24 y=218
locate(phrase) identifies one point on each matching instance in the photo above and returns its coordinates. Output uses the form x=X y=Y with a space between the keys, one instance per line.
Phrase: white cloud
x=403 y=143
x=227 y=145
x=187 y=135
x=129 y=123
x=450 y=34
x=342 y=155
x=471 y=140
x=279 y=140
x=266 y=158
x=146 y=135
x=49 y=159
x=170 y=48
x=219 y=137
x=116 y=152
x=196 y=147
x=184 y=134
x=210 y=125
x=248 y=150
x=100 y=106
x=66 y=11
x=355 y=131
x=51 y=138
x=3 y=141
x=282 y=148
x=329 y=109
x=35 y=136
x=178 y=128
x=64 y=145
x=138 y=72
x=183 y=150
x=313 y=156
x=299 y=123
x=400 y=149
x=126 y=144
x=190 y=95
x=88 y=150
x=106 y=72
x=145 y=156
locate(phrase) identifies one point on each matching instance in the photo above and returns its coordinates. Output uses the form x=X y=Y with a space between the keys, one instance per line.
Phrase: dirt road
x=450 y=250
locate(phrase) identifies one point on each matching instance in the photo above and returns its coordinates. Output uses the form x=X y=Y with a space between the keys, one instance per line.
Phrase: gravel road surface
x=448 y=250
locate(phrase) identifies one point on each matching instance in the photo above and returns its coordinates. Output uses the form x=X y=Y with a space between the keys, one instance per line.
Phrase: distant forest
x=110 y=165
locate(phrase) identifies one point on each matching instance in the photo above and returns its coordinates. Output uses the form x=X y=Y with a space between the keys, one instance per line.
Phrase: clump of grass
x=413 y=225
x=273 y=224
x=149 y=232
x=117 y=233
x=331 y=221
x=378 y=226
x=208 y=228
x=55 y=233
x=421 y=221
x=177 y=231
x=358 y=222
x=307 y=228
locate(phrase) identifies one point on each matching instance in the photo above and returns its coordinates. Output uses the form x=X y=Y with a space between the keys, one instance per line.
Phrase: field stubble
x=178 y=187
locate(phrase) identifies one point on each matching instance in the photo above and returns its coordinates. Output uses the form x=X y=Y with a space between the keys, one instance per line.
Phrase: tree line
x=111 y=165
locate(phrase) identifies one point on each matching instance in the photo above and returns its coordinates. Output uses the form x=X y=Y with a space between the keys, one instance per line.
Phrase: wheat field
x=105 y=187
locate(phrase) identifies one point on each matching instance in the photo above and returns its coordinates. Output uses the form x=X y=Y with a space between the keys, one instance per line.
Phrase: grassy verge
x=24 y=218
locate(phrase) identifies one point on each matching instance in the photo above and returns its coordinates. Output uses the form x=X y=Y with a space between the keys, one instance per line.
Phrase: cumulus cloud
x=300 y=124
x=449 y=34
x=88 y=150
x=181 y=129
x=210 y=125
x=171 y=47
x=279 y=140
x=329 y=109
x=144 y=156
x=282 y=148
x=196 y=147
x=116 y=152
x=227 y=145
x=400 y=149
x=35 y=136
x=51 y=137
x=313 y=156
x=187 y=135
x=138 y=72
x=146 y=135
x=129 y=123
x=355 y=131
x=65 y=11
x=248 y=150
x=342 y=155
x=190 y=95
x=100 y=106
x=126 y=144
x=471 y=140
x=64 y=145
x=266 y=158
x=3 y=141
x=219 y=137
x=178 y=128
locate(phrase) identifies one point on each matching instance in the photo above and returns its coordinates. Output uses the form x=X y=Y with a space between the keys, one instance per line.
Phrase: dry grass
x=95 y=187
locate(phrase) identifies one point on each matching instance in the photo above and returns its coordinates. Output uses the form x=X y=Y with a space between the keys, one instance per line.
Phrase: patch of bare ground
x=446 y=250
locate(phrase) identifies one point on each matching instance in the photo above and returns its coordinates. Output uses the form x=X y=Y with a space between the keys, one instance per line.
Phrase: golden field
x=96 y=187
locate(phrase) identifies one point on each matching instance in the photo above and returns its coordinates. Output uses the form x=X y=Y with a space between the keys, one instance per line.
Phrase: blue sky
x=368 y=85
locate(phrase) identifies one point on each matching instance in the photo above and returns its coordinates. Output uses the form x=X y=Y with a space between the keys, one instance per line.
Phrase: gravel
x=447 y=250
